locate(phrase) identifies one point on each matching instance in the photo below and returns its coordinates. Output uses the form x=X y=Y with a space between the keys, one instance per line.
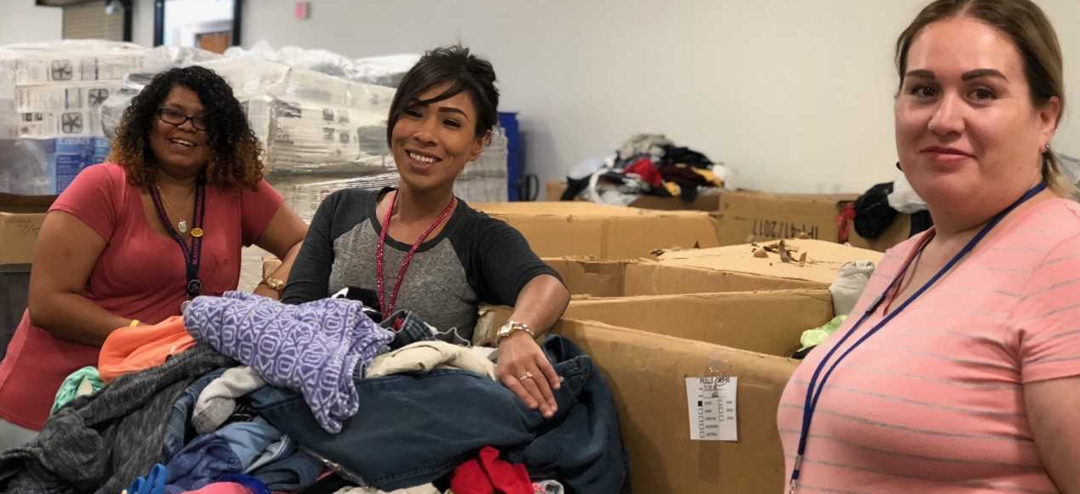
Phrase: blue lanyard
x=813 y=391
x=192 y=255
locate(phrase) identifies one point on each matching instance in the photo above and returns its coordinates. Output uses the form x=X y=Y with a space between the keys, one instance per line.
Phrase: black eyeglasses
x=177 y=118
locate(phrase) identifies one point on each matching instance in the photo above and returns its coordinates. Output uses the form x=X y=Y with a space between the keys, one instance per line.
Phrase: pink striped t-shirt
x=934 y=401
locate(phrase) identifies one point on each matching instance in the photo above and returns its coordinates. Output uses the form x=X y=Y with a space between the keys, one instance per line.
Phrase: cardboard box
x=647 y=374
x=600 y=278
x=91 y=65
x=756 y=216
x=722 y=269
x=58 y=97
x=704 y=202
x=561 y=229
x=823 y=260
x=18 y=232
x=766 y=322
x=647 y=346
x=59 y=123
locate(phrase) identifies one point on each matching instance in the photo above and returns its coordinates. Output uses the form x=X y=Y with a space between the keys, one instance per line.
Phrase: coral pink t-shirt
x=934 y=402
x=140 y=275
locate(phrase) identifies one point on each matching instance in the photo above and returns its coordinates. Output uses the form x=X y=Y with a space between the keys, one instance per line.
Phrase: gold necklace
x=181 y=226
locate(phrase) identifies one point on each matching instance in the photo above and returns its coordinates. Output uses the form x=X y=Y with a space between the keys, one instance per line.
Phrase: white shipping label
x=713 y=410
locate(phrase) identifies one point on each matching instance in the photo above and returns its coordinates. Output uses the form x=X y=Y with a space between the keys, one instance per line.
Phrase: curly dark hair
x=464 y=71
x=236 y=155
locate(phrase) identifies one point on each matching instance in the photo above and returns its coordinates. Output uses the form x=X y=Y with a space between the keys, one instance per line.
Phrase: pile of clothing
x=647 y=164
x=874 y=211
x=248 y=395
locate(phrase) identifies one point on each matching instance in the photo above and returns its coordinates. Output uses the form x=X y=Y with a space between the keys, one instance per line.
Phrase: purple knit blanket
x=311 y=348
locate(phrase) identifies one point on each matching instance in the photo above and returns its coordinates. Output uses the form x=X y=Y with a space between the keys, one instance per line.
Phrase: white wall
x=797 y=96
x=23 y=21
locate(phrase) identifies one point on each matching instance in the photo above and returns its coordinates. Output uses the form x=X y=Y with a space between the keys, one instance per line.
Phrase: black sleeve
x=505 y=260
x=309 y=278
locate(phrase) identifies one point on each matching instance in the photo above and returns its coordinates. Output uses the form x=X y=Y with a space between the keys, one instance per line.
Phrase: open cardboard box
x=647 y=347
x=560 y=229
x=747 y=216
x=721 y=269
x=20 y=221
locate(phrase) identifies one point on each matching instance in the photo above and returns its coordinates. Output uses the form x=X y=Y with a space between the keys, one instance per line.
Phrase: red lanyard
x=388 y=309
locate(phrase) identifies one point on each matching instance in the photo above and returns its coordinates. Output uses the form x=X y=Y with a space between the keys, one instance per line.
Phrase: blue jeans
x=413 y=429
x=177 y=432
x=584 y=450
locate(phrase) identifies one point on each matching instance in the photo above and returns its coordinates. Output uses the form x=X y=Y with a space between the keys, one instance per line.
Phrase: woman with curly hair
x=131 y=240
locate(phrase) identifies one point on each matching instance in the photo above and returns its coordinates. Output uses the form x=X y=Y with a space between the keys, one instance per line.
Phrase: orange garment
x=132 y=349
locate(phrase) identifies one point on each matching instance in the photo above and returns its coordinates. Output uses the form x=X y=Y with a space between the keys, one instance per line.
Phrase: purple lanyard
x=192 y=255
x=813 y=391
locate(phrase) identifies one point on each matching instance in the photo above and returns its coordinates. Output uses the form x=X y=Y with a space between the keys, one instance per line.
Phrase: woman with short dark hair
x=419 y=248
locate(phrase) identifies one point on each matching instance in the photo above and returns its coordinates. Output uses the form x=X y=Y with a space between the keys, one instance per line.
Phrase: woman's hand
x=265 y=290
x=525 y=370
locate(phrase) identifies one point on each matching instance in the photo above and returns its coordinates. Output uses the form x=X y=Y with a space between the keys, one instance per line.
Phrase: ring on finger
x=526 y=375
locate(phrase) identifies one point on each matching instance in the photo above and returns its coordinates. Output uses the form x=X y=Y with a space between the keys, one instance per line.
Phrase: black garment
x=674 y=155
x=474 y=259
x=920 y=222
x=686 y=178
x=100 y=443
x=873 y=214
x=574 y=188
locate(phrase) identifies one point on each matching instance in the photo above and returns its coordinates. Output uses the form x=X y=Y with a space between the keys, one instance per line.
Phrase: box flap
x=823 y=260
x=768 y=322
x=565 y=229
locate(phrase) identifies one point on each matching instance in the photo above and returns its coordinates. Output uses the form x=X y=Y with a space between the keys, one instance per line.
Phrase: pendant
x=196 y=232
x=182 y=226
x=184 y=306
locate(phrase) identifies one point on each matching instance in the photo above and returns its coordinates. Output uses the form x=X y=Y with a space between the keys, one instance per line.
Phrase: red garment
x=140 y=275
x=645 y=169
x=844 y=222
x=490 y=475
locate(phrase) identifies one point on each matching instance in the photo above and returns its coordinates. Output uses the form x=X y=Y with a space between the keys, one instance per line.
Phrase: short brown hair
x=235 y=151
x=1030 y=30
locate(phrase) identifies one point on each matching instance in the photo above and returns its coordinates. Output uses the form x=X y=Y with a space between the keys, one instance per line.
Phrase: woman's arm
x=309 y=277
x=1052 y=412
x=539 y=305
x=65 y=254
x=282 y=237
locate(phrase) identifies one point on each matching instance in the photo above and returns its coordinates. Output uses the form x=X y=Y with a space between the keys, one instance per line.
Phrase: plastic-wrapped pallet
x=308 y=122
x=484 y=180
x=387 y=70
x=50 y=93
